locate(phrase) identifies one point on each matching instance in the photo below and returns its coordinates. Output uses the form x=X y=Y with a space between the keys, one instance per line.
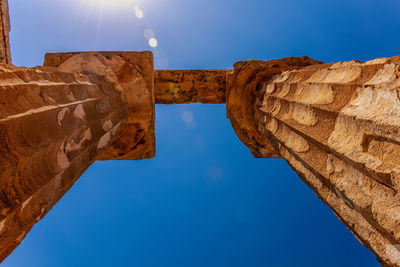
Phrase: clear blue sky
x=204 y=200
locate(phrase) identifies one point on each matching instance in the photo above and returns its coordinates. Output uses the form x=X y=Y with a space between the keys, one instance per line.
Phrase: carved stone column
x=338 y=126
x=5 y=54
x=54 y=124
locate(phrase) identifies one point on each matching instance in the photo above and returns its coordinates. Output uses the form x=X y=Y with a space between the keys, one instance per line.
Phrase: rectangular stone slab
x=190 y=86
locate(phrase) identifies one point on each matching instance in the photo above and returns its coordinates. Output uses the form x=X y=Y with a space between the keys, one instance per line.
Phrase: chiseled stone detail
x=55 y=123
x=244 y=82
x=132 y=75
x=337 y=125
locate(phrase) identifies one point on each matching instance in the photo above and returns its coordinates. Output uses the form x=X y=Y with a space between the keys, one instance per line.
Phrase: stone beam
x=337 y=125
x=55 y=123
x=173 y=86
x=190 y=86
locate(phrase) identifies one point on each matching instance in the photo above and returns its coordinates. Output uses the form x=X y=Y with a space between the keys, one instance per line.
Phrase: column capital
x=244 y=82
x=132 y=74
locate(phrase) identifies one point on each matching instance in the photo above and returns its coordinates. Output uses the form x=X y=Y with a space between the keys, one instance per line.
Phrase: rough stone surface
x=190 y=86
x=174 y=86
x=54 y=124
x=56 y=59
x=5 y=54
x=132 y=75
x=242 y=87
x=337 y=125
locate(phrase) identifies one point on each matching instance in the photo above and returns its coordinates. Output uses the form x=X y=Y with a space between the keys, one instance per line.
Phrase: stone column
x=54 y=124
x=338 y=127
x=5 y=53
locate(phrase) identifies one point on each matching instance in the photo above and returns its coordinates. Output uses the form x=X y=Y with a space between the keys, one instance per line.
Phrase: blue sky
x=204 y=200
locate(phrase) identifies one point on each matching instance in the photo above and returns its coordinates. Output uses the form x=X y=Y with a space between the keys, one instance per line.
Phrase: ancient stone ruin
x=337 y=125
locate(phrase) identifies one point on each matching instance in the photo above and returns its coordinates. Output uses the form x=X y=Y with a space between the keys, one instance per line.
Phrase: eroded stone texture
x=5 y=54
x=131 y=73
x=54 y=124
x=173 y=86
x=56 y=59
x=337 y=125
x=190 y=86
x=242 y=86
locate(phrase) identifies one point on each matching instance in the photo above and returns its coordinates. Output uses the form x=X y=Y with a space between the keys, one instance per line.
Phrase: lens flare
x=139 y=12
x=148 y=33
x=109 y=2
x=153 y=42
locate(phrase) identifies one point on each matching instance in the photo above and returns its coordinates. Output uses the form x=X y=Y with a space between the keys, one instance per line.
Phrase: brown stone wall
x=5 y=53
x=338 y=127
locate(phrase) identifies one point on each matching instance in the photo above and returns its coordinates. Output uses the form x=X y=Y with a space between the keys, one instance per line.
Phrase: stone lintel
x=173 y=86
x=190 y=86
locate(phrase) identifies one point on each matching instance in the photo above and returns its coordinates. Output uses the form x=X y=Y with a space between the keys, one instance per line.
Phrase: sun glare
x=115 y=3
x=153 y=42
x=136 y=10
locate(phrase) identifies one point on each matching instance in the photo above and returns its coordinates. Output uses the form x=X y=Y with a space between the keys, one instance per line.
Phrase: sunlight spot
x=139 y=12
x=153 y=42
x=187 y=117
x=109 y=3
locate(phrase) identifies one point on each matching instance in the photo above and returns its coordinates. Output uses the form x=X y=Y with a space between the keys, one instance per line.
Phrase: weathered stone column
x=54 y=124
x=338 y=126
x=5 y=53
